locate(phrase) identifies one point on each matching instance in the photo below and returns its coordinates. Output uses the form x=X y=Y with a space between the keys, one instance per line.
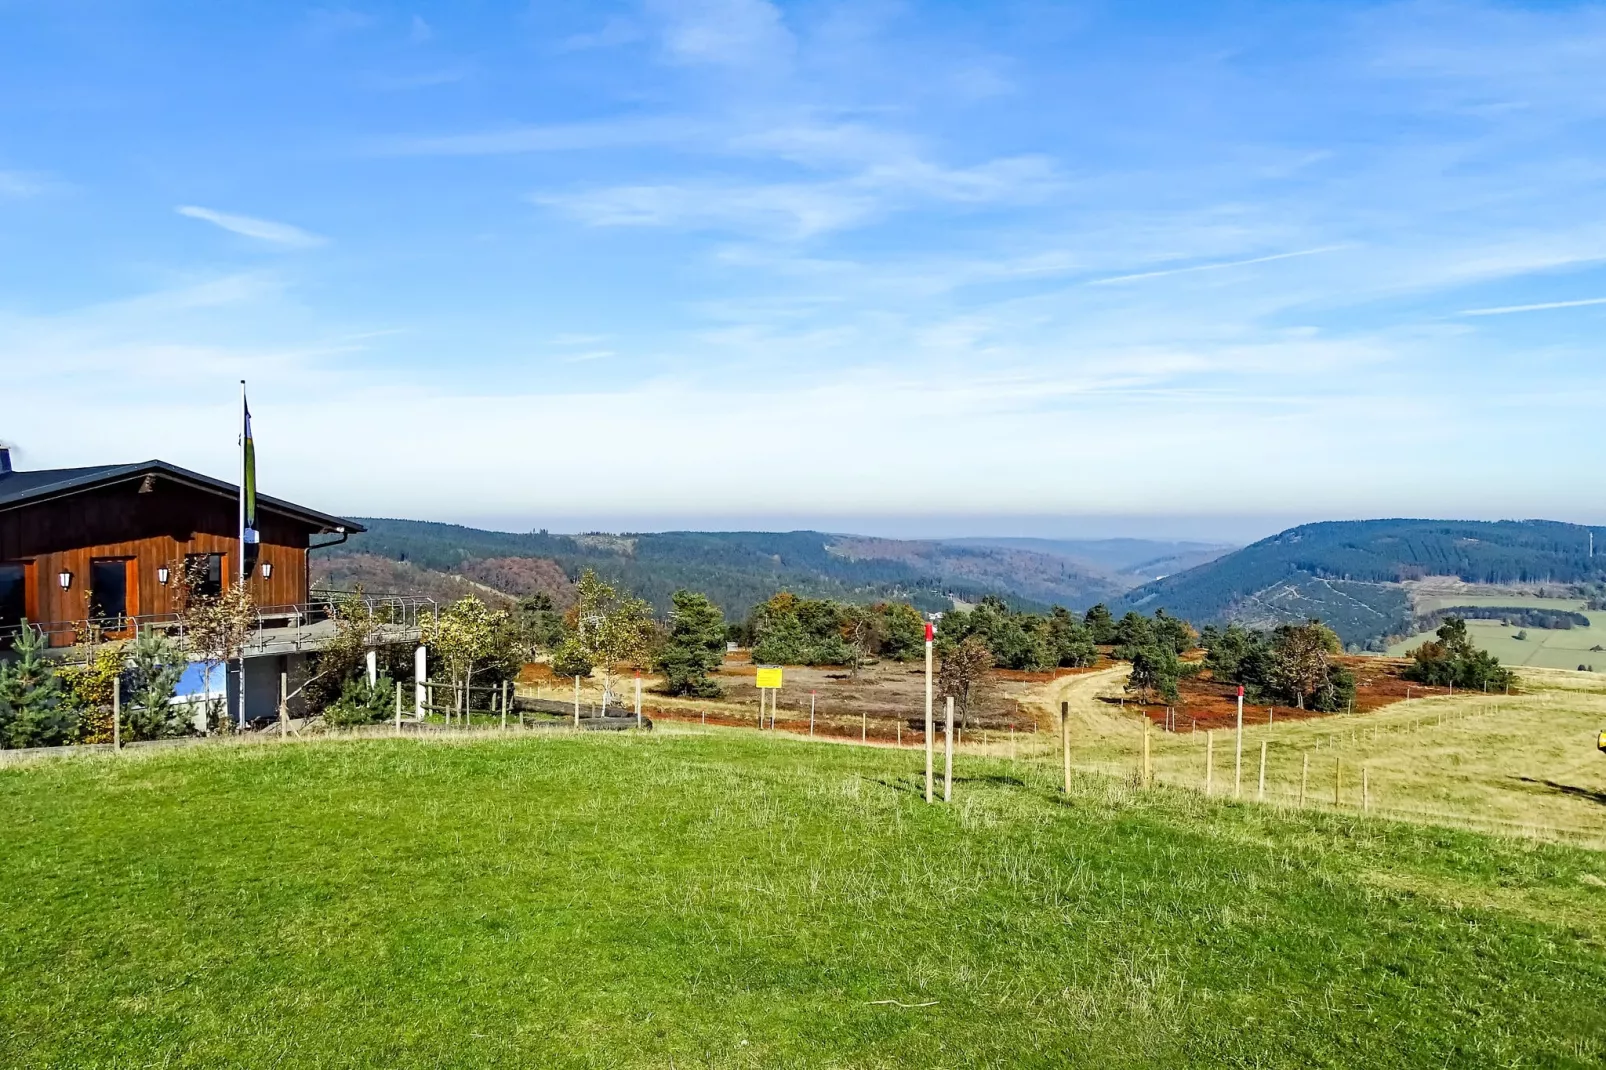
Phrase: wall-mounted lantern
x=267 y=569
x=161 y=575
x=65 y=579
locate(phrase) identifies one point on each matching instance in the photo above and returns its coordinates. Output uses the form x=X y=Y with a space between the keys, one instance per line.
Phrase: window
x=108 y=590
x=13 y=597
x=209 y=569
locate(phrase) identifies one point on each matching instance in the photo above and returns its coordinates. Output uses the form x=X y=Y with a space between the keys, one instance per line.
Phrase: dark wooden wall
x=154 y=524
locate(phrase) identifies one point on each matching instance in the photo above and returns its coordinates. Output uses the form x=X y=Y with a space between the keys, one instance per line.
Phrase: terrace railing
x=275 y=629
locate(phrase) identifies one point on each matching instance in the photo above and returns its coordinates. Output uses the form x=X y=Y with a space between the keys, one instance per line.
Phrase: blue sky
x=1035 y=268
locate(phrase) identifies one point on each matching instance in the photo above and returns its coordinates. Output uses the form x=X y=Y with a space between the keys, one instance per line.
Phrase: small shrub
x=360 y=704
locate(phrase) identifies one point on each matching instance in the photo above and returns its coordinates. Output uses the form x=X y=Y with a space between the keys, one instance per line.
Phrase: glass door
x=13 y=600
x=110 y=593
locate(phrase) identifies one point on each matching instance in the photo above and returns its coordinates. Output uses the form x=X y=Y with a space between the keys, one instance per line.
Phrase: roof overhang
x=99 y=478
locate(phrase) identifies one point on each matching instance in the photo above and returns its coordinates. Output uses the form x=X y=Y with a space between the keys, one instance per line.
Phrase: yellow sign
x=769 y=677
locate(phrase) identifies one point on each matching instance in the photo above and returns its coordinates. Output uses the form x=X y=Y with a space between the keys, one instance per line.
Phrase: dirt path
x=1089 y=716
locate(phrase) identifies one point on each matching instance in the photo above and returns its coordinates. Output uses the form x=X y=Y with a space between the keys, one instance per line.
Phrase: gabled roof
x=28 y=488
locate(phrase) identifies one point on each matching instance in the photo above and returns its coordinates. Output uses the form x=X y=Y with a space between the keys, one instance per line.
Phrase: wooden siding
x=153 y=524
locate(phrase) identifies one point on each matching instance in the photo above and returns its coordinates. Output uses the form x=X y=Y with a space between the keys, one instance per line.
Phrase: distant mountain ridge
x=1130 y=561
x=738 y=569
x=1353 y=574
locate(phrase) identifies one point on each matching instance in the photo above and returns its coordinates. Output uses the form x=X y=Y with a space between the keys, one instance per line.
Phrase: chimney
x=5 y=460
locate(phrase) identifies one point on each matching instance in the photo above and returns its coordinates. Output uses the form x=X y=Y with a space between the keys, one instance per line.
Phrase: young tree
x=1155 y=670
x=31 y=711
x=87 y=692
x=1132 y=632
x=568 y=658
x=609 y=630
x=155 y=666
x=213 y=628
x=965 y=671
x=1101 y=624
x=695 y=647
x=857 y=628
x=464 y=636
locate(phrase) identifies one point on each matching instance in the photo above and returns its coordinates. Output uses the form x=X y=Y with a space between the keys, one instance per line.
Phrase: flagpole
x=240 y=564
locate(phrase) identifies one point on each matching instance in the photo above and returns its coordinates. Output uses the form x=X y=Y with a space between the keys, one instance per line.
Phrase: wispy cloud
x=1542 y=307
x=730 y=33
x=560 y=137
x=281 y=234
x=18 y=184
x=324 y=24
x=1218 y=266
x=614 y=32
x=805 y=209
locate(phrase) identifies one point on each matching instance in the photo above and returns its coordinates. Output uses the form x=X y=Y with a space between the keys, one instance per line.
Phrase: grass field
x=1524 y=764
x=724 y=899
x=1549 y=648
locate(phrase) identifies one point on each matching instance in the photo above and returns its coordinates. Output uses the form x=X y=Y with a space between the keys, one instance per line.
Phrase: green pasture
x=725 y=899
x=1546 y=648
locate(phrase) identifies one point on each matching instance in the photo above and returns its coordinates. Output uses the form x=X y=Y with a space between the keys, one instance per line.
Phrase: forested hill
x=1349 y=572
x=738 y=569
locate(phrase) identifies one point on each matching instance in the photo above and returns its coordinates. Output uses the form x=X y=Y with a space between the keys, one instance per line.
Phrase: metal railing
x=283 y=628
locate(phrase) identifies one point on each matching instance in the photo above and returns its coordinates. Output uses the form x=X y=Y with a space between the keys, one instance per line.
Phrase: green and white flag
x=249 y=540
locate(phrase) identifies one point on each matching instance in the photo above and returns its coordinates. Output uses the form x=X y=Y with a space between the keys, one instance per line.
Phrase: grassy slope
x=1525 y=763
x=728 y=900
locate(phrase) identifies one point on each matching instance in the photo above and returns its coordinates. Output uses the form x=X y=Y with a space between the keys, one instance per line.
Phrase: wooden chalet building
x=92 y=552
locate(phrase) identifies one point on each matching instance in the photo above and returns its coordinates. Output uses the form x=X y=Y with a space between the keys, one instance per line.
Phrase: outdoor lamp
x=65 y=579
x=161 y=575
x=267 y=570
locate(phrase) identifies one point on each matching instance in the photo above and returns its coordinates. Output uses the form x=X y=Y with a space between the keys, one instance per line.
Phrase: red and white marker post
x=1238 y=764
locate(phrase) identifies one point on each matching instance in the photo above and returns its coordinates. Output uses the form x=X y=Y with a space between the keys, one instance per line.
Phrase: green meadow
x=1547 y=648
x=724 y=899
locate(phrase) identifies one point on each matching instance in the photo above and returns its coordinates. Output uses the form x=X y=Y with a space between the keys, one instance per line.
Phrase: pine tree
x=156 y=666
x=695 y=648
x=31 y=710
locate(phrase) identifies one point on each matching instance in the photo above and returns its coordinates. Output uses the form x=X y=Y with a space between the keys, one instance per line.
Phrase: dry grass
x=1524 y=764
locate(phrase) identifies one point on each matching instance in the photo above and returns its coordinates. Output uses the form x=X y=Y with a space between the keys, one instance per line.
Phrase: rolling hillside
x=737 y=569
x=1355 y=575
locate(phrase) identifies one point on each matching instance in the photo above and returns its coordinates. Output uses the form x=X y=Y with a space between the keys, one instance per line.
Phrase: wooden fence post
x=638 y=702
x=398 y=709
x=576 y=702
x=1238 y=761
x=1304 y=777
x=864 y=726
x=117 y=712
x=1338 y=780
x=948 y=752
x=284 y=704
x=1210 y=761
x=1148 y=770
x=1065 y=741
x=1366 y=791
x=811 y=715
x=1260 y=793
